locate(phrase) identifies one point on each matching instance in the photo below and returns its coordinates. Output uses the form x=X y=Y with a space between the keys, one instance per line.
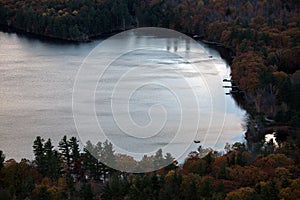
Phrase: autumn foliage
x=234 y=175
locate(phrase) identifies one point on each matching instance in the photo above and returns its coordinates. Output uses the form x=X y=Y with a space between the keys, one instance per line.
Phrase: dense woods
x=66 y=172
x=70 y=20
x=263 y=39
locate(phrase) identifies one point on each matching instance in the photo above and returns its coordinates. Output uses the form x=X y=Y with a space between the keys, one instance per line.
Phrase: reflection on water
x=37 y=80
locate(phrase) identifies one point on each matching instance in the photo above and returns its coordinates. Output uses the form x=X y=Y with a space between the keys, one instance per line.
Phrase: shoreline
x=226 y=53
x=11 y=29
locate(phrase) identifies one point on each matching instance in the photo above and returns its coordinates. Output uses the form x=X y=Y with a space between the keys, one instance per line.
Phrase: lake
x=172 y=88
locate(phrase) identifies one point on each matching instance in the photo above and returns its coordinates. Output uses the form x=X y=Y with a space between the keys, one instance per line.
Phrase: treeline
x=76 y=20
x=67 y=172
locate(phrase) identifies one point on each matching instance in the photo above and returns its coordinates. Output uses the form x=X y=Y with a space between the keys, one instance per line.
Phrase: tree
x=192 y=163
x=75 y=152
x=222 y=173
x=289 y=60
x=74 y=32
x=209 y=159
x=19 y=178
x=239 y=147
x=107 y=157
x=126 y=163
x=76 y=164
x=91 y=165
x=2 y=158
x=190 y=186
x=86 y=192
x=47 y=159
x=64 y=147
x=267 y=190
x=48 y=189
x=41 y=192
x=291 y=192
x=158 y=159
x=116 y=188
x=52 y=161
x=39 y=152
x=206 y=189
x=5 y=194
x=245 y=193
x=169 y=162
x=172 y=185
x=107 y=154
x=227 y=147
x=285 y=90
x=145 y=185
x=246 y=176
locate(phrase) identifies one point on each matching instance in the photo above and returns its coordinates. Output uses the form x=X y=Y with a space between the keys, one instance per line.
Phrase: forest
x=262 y=37
x=66 y=172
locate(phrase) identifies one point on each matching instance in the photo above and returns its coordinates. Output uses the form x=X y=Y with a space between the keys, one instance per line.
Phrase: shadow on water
x=31 y=37
x=52 y=40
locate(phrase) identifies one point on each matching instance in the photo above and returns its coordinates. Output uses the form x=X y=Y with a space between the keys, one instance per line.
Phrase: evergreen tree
x=76 y=165
x=2 y=158
x=107 y=157
x=116 y=188
x=75 y=152
x=91 y=164
x=39 y=152
x=158 y=161
x=107 y=154
x=170 y=163
x=52 y=168
x=64 y=147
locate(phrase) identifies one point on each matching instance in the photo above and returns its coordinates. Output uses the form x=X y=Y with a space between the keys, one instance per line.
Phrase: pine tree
x=158 y=159
x=107 y=157
x=52 y=168
x=90 y=162
x=107 y=154
x=75 y=152
x=170 y=163
x=76 y=165
x=64 y=147
x=39 y=152
x=2 y=158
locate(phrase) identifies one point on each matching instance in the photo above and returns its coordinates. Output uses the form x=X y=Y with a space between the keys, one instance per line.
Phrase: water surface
x=36 y=85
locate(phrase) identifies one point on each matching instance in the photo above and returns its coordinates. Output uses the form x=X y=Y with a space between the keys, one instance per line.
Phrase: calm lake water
x=36 y=85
